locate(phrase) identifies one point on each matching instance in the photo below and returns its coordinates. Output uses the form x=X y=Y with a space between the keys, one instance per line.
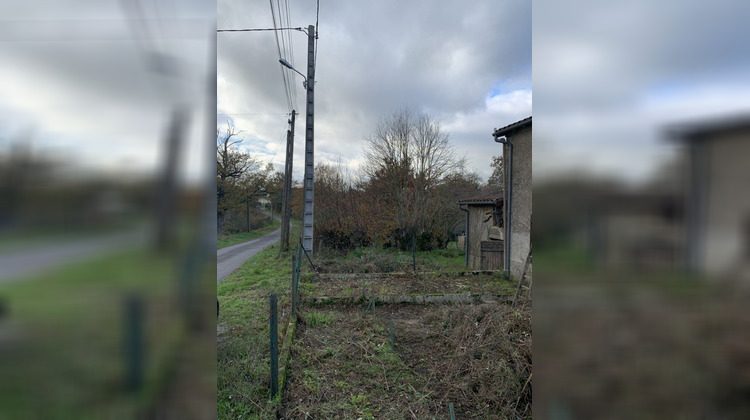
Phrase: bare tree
x=407 y=157
x=434 y=159
x=232 y=165
x=496 y=178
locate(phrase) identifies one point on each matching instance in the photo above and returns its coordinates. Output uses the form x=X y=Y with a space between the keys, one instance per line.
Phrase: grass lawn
x=37 y=236
x=63 y=337
x=243 y=332
x=223 y=241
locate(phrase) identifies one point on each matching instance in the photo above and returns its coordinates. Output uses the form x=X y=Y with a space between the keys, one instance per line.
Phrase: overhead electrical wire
x=285 y=45
x=261 y=29
x=278 y=145
x=317 y=15
x=282 y=8
x=290 y=45
x=284 y=74
x=264 y=115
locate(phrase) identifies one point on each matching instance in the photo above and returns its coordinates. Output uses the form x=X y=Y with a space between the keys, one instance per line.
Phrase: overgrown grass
x=243 y=348
x=65 y=355
x=223 y=241
x=355 y=374
x=477 y=357
x=243 y=330
x=565 y=264
x=702 y=327
x=388 y=260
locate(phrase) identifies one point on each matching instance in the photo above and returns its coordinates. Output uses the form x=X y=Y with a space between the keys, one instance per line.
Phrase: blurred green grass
x=67 y=357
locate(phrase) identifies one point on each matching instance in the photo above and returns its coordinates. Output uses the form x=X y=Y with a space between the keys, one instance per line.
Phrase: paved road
x=232 y=257
x=20 y=263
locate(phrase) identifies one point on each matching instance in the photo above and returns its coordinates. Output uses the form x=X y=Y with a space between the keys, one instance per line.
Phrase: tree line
x=406 y=192
x=240 y=181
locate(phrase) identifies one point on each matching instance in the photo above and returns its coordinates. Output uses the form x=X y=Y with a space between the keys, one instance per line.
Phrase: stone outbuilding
x=516 y=140
x=717 y=199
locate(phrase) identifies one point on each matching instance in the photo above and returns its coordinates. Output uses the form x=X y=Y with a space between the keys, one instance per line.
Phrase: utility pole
x=307 y=222
x=168 y=188
x=286 y=202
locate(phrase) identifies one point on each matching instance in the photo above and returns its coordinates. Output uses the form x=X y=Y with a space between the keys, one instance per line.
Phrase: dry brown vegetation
x=643 y=350
x=477 y=357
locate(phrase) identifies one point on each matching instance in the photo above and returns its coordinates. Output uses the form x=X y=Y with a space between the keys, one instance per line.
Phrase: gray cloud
x=83 y=78
x=608 y=77
x=443 y=58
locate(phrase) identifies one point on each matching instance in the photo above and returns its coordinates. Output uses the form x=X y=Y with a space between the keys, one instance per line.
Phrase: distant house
x=264 y=202
x=717 y=198
x=516 y=139
x=484 y=245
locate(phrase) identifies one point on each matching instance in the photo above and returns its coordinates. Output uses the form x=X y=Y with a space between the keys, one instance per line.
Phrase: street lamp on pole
x=308 y=185
x=289 y=66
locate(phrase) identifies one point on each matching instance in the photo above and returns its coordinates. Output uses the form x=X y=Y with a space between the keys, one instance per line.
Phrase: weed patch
x=477 y=357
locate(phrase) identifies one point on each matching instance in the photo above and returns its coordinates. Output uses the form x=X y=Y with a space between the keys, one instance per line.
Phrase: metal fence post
x=299 y=273
x=294 y=283
x=133 y=342
x=274 y=348
x=391 y=328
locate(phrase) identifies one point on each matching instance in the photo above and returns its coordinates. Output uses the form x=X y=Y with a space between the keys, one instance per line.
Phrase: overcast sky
x=466 y=64
x=77 y=80
x=609 y=76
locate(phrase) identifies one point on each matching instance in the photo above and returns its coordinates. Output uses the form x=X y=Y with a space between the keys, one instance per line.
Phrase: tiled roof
x=481 y=200
x=700 y=130
x=512 y=127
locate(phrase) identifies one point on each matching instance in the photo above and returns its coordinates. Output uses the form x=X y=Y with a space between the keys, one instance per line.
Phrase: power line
x=265 y=115
x=317 y=15
x=284 y=75
x=290 y=45
x=260 y=29
x=285 y=47
x=278 y=145
x=278 y=49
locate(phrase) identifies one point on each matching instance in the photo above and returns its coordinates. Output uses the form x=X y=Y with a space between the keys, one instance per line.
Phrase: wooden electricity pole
x=286 y=202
